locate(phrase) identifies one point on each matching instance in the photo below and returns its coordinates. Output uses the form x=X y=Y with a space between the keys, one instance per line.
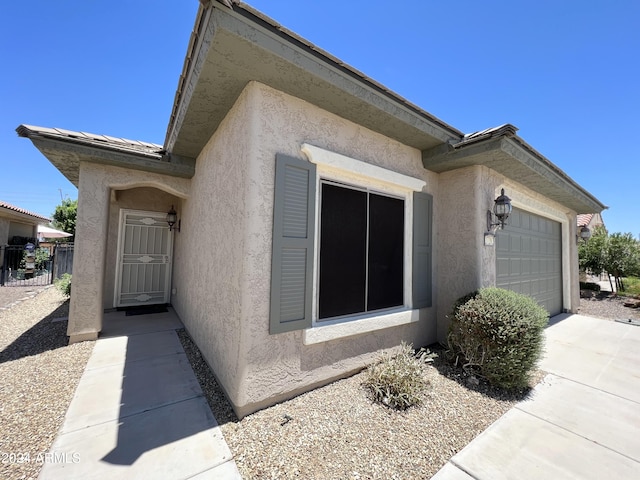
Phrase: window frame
x=351 y=173
x=407 y=232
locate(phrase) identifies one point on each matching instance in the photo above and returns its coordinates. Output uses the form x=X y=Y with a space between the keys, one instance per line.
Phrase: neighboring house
x=18 y=222
x=589 y=220
x=323 y=218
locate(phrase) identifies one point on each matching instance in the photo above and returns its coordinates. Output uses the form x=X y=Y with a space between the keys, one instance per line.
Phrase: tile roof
x=92 y=139
x=584 y=219
x=13 y=208
x=504 y=130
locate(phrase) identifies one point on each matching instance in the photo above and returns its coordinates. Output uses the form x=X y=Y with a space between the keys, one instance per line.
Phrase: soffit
x=513 y=158
x=65 y=149
x=232 y=48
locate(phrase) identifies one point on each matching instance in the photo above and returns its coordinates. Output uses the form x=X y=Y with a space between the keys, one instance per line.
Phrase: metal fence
x=18 y=270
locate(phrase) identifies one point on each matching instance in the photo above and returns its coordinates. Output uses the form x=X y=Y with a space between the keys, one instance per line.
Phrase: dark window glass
x=361 y=252
x=386 y=241
x=343 y=240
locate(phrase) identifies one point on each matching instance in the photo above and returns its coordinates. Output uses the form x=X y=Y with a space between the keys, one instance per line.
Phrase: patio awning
x=48 y=232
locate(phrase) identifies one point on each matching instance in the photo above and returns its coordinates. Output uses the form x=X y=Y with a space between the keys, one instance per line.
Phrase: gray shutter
x=422 y=248
x=293 y=240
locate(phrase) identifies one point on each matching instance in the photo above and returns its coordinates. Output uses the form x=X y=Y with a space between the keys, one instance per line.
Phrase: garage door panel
x=529 y=258
x=514 y=266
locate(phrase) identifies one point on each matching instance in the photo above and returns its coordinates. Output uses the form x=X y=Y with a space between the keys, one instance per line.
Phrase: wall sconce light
x=501 y=209
x=172 y=218
x=584 y=234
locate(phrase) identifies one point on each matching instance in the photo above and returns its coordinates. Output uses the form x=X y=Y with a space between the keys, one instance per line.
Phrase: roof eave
x=66 y=153
x=24 y=216
x=511 y=156
x=219 y=64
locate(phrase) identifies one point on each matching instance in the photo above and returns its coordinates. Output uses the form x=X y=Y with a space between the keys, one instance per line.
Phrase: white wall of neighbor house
x=226 y=303
x=19 y=229
x=4 y=231
x=93 y=229
x=466 y=264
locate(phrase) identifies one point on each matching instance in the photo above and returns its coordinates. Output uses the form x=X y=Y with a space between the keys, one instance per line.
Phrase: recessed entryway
x=145 y=245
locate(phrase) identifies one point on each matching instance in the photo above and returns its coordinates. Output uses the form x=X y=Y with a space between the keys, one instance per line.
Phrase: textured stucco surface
x=465 y=263
x=93 y=231
x=226 y=304
x=458 y=216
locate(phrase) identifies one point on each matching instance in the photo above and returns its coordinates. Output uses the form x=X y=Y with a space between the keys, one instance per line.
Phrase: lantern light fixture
x=172 y=219
x=584 y=234
x=501 y=209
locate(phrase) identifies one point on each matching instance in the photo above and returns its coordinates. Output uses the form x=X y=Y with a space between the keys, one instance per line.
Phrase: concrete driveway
x=582 y=422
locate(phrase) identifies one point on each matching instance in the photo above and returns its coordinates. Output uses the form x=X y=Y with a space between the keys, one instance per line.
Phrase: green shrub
x=399 y=381
x=632 y=287
x=64 y=283
x=499 y=335
x=589 y=286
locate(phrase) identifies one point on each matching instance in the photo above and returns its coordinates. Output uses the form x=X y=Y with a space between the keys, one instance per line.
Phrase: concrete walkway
x=138 y=411
x=582 y=422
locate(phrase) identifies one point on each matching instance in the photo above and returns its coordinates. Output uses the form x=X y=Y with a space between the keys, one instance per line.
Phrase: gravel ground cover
x=337 y=432
x=608 y=306
x=12 y=296
x=39 y=375
x=333 y=432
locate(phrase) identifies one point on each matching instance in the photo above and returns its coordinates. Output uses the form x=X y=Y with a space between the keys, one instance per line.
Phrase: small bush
x=631 y=287
x=398 y=381
x=498 y=334
x=589 y=286
x=64 y=284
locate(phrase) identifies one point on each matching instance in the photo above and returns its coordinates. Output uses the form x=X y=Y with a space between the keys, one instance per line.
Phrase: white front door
x=143 y=271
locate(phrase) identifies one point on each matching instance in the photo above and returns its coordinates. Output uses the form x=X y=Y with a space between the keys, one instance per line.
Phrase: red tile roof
x=584 y=219
x=13 y=208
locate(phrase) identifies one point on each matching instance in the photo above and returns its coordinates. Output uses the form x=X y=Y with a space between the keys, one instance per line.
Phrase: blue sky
x=567 y=74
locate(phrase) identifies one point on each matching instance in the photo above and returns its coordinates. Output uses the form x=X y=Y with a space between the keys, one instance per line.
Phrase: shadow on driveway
x=43 y=336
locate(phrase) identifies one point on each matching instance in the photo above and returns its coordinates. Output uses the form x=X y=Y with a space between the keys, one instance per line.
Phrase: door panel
x=529 y=258
x=144 y=259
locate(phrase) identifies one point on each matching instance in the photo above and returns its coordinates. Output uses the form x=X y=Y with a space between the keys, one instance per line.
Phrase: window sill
x=325 y=333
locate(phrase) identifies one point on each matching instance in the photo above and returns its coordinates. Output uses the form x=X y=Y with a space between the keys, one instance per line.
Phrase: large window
x=361 y=257
x=348 y=238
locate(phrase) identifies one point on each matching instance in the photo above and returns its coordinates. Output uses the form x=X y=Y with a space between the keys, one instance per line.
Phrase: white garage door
x=529 y=258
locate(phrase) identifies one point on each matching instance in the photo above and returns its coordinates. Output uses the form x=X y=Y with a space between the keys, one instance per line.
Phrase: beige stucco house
x=18 y=222
x=322 y=218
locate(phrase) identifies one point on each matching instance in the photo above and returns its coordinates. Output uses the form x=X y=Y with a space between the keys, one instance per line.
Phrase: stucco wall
x=209 y=259
x=460 y=218
x=92 y=233
x=4 y=232
x=226 y=305
x=18 y=229
x=466 y=263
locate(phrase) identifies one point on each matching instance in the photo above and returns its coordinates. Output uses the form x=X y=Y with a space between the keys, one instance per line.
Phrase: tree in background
x=592 y=254
x=64 y=218
x=617 y=254
x=623 y=257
